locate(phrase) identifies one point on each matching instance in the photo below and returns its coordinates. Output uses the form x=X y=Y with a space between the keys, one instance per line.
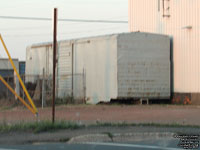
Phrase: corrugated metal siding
x=141 y=13
x=144 y=16
x=64 y=79
x=143 y=66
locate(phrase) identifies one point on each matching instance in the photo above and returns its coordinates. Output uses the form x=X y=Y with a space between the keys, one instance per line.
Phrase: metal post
x=54 y=62
x=18 y=76
x=84 y=84
x=43 y=89
x=83 y=78
x=72 y=93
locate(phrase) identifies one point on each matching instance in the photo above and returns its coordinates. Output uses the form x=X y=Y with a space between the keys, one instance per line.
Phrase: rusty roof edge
x=50 y=44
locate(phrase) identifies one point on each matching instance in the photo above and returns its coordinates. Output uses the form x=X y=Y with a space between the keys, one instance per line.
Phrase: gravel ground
x=90 y=114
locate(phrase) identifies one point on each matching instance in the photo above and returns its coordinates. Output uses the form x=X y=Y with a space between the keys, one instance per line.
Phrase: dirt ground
x=89 y=114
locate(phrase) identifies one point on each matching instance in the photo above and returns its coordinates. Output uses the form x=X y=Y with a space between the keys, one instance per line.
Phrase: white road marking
x=132 y=145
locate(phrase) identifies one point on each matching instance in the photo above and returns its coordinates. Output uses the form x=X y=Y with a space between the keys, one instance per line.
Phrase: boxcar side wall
x=98 y=58
x=38 y=58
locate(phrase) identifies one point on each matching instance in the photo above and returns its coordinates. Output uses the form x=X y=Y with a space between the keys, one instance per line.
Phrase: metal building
x=22 y=66
x=7 y=72
x=181 y=20
x=120 y=66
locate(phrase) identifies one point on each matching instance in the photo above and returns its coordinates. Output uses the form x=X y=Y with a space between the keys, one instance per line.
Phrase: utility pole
x=54 y=62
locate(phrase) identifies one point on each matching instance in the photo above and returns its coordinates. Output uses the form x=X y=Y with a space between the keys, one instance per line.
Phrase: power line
x=67 y=20
x=75 y=24
x=62 y=33
x=26 y=28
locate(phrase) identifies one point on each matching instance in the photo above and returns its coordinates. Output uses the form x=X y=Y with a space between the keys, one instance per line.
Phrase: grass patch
x=47 y=126
x=172 y=125
x=109 y=124
x=38 y=127
x=124 y=124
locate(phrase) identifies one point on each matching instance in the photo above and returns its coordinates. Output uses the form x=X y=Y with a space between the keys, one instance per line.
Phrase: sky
x=18 y=34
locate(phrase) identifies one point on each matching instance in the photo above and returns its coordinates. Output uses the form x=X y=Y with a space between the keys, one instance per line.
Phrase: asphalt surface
x=125 y=138
x=89 y=146
x=124 y=134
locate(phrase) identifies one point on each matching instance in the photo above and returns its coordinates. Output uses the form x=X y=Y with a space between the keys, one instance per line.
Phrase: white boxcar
x=120 y=66
x=179 y=19
x=38 y=57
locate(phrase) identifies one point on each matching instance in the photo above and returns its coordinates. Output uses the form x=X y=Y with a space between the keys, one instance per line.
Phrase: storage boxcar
x=120 y=66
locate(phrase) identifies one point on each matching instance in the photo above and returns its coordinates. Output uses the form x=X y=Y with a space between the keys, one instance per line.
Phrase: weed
x=38 y=127
x=109 y=134
x=46 y=126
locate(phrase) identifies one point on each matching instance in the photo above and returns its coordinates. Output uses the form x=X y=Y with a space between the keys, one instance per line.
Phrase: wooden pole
x=54 y=62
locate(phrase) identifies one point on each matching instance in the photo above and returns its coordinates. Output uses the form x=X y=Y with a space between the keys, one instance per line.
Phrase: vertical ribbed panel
x=64 y=69
x=145 y=17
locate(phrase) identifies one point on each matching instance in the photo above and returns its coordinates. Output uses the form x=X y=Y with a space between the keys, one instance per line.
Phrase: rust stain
x=184 y=100
x=187 y=101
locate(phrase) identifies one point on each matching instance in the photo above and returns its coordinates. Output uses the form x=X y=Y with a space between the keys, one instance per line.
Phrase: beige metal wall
x=183 y=24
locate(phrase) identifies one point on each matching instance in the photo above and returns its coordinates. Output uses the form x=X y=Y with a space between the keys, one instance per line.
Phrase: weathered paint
x=129 y=65
x=143 y=66
x=98 y=57
x=183 y=25
x=64 y=72
x=37 y=58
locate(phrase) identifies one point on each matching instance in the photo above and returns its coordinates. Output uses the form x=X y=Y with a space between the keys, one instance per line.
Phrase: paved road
x=87 y=146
